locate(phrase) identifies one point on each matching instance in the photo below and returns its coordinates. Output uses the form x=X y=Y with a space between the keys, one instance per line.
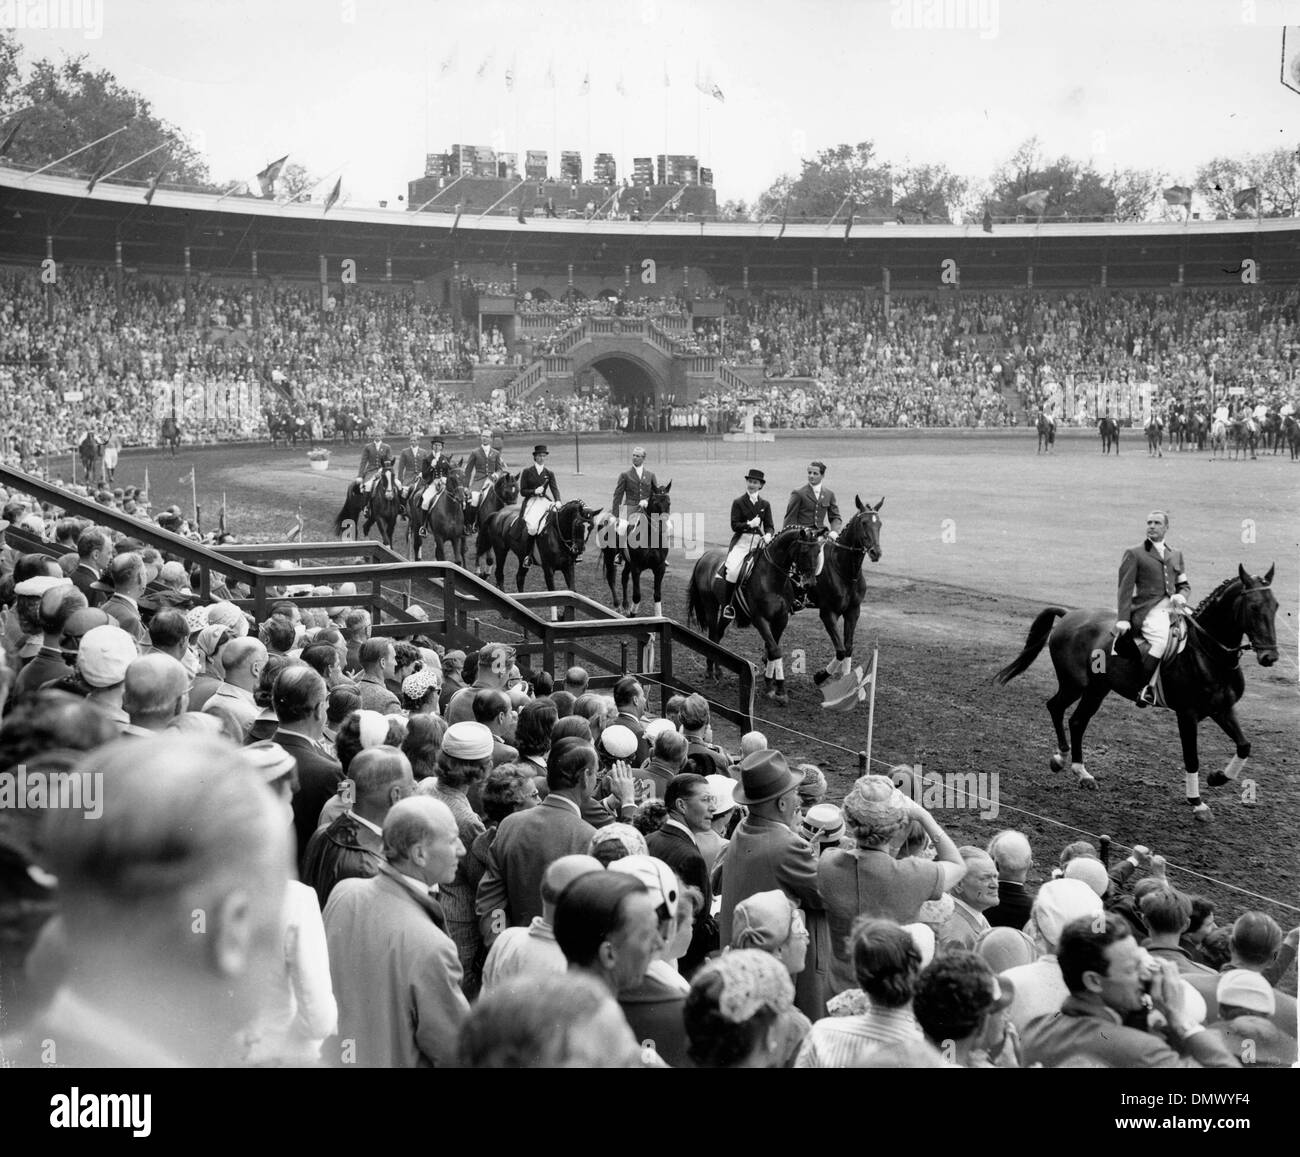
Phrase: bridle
x=576 y=542
x=1248 y=645
x=802 y=541
x=862 y=550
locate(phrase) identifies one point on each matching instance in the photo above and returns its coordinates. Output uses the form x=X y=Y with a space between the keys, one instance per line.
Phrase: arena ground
x=979 y=534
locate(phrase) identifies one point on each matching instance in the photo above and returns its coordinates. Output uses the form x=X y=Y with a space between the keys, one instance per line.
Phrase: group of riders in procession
x=293 y=423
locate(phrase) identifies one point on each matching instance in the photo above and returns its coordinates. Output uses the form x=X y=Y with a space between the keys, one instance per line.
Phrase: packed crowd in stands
x=483 y=852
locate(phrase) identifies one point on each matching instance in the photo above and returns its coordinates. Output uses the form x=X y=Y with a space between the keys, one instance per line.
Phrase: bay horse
x=1245 y=436
x=445 y=519
x=1109 y=429
x=645 y=548
x=560 y=544
x=501 y=491
x=1271 y=431
x=838 y=591
x=1291 y=434
x=382 y=507
x=171 y=433
x=1155 y=438
x=768 y=596
x=1046 y=434
x=1202 y=680
x=1177 y=423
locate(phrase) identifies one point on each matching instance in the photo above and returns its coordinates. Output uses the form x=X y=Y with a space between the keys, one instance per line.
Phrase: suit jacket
x=634 y=725
x=764 y=855
x=805 y=510
x=631 y=489
x=743 y=509
x=479 y=465
x=345 y=850
x=396 y=975
x=318 y=779
x=375 y=696
x=1015 y=902
x=430 y=466
x=82 y=578
x=127 y=616
x=526 y=844
x=679 y=851
x=1145 y=578
x=408 y=464
x=536 y=481
x=372 y=458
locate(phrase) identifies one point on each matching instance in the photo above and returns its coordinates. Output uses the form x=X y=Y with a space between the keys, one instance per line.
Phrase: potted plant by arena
x=319 y=458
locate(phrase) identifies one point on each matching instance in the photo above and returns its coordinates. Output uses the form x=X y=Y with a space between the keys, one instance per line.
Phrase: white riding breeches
x=821 y=559
x=1155 y=627
x=738 y=553
x=534 y=511
x=432 y=491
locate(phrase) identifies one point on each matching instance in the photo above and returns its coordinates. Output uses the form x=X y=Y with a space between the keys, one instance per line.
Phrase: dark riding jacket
x=536 y=481
x=1145 y=578
x=743 y=509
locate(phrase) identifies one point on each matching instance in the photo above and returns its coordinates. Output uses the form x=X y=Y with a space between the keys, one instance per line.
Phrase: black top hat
x=437 y=440
x=540 y=450
x=755 y=475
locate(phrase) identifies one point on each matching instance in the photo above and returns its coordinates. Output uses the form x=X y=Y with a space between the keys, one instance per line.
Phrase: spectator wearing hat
x=351 y=846
x=868 y=880
x=548 y=1021
x=533 y=951
x=420 y=692
x=772 y=922
x=126 y=581
x=1247 y=1004
x=614 y=841
x=751 y=526
x=492 y=674
x=94 y=552
x=23 y=635
x=1014 y=857
x=960 y=1005
x=535 y=483
x=699 y=737
x=689 y=800
x=299 y=700
x=58 y=604
x=1168 y=914
x=823 y=827
x=739 y=1012
x=154 y=692
x=527 y=842
x=395 y=969
x=102 y=661
x=630 y=700
x=1255 y=943
x=887 y=964
x=1101 y=965
x=972 y=896
x=765 y=853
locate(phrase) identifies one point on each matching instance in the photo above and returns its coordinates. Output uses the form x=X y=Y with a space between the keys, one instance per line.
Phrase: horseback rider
x=408 y=465
x=1152 y=582
x=433 y=469
x=813 y=505
x=751 y=526
x=634 y=486
x=484 y=463
x=534 y=484
x=373 y=457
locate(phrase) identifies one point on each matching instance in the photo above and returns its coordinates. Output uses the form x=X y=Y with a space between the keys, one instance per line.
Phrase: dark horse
x=1203 y=679
x=382 y=507
x=1291 y=434
x=767 y=593
x=445 y=520
x=1046 y=434
x=1155 y=438
x=501 y=492
x=645 y=547
x=171 y=433
x=1245 y=436
x=1109 y=429
x=559 y=545
x=838 y=591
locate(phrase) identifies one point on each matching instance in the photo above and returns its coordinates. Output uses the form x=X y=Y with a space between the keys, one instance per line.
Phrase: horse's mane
x=1215 y=595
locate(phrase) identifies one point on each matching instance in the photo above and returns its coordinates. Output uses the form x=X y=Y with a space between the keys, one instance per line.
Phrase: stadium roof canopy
x=223 y=232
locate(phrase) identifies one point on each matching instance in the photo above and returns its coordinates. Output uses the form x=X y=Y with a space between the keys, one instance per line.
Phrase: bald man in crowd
x=143 y=985
x=243 y=661
x=154 y=692
x=1014 y=857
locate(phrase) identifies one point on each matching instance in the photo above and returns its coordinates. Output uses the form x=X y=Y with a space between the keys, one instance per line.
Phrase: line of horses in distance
x=1237 y=437
x=1201 y=676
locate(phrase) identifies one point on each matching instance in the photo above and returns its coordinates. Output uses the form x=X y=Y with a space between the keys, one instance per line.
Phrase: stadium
x=232 y=406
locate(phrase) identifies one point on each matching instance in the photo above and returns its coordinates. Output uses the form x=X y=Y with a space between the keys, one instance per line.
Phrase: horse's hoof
x=821 y=677
x=782 y=700
x=1057 y=762
x=1201 y=813
x=770 y=693
x=1216 y=779
x=1085 y=779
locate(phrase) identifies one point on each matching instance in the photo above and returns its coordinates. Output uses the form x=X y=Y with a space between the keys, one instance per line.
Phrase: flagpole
x=194 y=494
x=436 y=195
x=69 y=156
x=141 y=157
x=871 y=706
x=498 y=201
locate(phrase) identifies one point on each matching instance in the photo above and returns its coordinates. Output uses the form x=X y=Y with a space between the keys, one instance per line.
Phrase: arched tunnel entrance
x=629 y=381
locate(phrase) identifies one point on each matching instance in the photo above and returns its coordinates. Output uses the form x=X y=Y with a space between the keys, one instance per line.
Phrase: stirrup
x=1146 y=697
x=729 y=612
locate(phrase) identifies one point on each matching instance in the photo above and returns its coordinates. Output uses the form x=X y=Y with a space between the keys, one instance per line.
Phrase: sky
x=366 y=87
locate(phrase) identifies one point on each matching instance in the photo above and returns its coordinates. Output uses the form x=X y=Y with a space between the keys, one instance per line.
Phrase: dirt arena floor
x=980 y=533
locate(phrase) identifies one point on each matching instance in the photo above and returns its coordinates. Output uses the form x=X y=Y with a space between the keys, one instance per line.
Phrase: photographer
x=1112 y=982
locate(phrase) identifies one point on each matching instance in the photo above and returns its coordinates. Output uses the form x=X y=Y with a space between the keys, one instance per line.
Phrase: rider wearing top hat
x=534 y=484
x=433 y=468
x=751 y=521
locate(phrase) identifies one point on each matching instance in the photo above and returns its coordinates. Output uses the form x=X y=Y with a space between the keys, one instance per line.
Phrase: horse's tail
x=343 y=513
x=1034 y=641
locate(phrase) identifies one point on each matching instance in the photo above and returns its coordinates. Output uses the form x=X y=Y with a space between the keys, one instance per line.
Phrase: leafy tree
x=1137 y=193
x=296 y=182
x=1075 y=190
x=929 y=192
x=1218 y=179
x=830 y=177
x=1278 y=174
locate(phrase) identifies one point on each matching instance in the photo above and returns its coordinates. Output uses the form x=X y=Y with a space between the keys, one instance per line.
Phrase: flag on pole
x=716 y=93
x=1178 y=195
x=146 y=482
x=1035 y=202
x=221 y=517
x=267 y=178
x=550 y=75
x=190 y=478
x=10 y=137
x=153 y=186
x=99 y=172
x=334 y=195
x=294 y=533
x=848 y=225
x=460 y=207
x=619 y=88
x=1246 y=198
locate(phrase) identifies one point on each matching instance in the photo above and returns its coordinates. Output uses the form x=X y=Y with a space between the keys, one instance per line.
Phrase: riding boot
x=528 y=558
x=1150 y=664
x=728 y=598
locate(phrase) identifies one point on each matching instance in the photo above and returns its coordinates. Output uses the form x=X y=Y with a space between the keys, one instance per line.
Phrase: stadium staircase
x=550 y=630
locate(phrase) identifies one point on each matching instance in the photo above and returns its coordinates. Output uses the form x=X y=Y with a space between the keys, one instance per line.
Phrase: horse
x=560 y=544
x=1202 y=679
x=1245 y=436
x=767 y=593
x=838 y=591
x=1155 y=438
x=645 y=548
x=1177 y=423
x=445 y=519
x=1291 y=434
x=382 y=506
x=501 y=492
x=1046 y=434
x=171 y=434
x=1218 y=439
x=1271 y=431
x=1109 y=429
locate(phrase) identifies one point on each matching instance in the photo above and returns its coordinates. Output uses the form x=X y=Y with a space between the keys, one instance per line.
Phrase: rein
x=771 y=561
x=1247 y=645
x=574 y=545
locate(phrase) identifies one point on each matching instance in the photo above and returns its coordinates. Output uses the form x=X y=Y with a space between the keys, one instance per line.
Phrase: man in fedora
x=434 y=468
x=765 y=854
x=751 y=520
x=534 y=484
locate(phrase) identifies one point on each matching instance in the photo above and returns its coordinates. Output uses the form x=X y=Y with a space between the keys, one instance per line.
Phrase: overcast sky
x=337 y=83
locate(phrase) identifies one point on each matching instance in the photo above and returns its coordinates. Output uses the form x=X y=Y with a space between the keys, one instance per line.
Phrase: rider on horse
x=534 y=484
x=1152 y=582
x=433 y=468
x=408 y=465
x=374 y=455
x=634 y=487
x=751 y=526
x=813 y=505
x=485 y=462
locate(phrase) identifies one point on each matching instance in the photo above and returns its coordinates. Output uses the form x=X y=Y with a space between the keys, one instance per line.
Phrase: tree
x=1075 y=190
x=1278 y=181
x=734 y=211
x=297 y=182
x=69 y=105
x=834 y=175
x=929 y=192
x=1136 y=193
